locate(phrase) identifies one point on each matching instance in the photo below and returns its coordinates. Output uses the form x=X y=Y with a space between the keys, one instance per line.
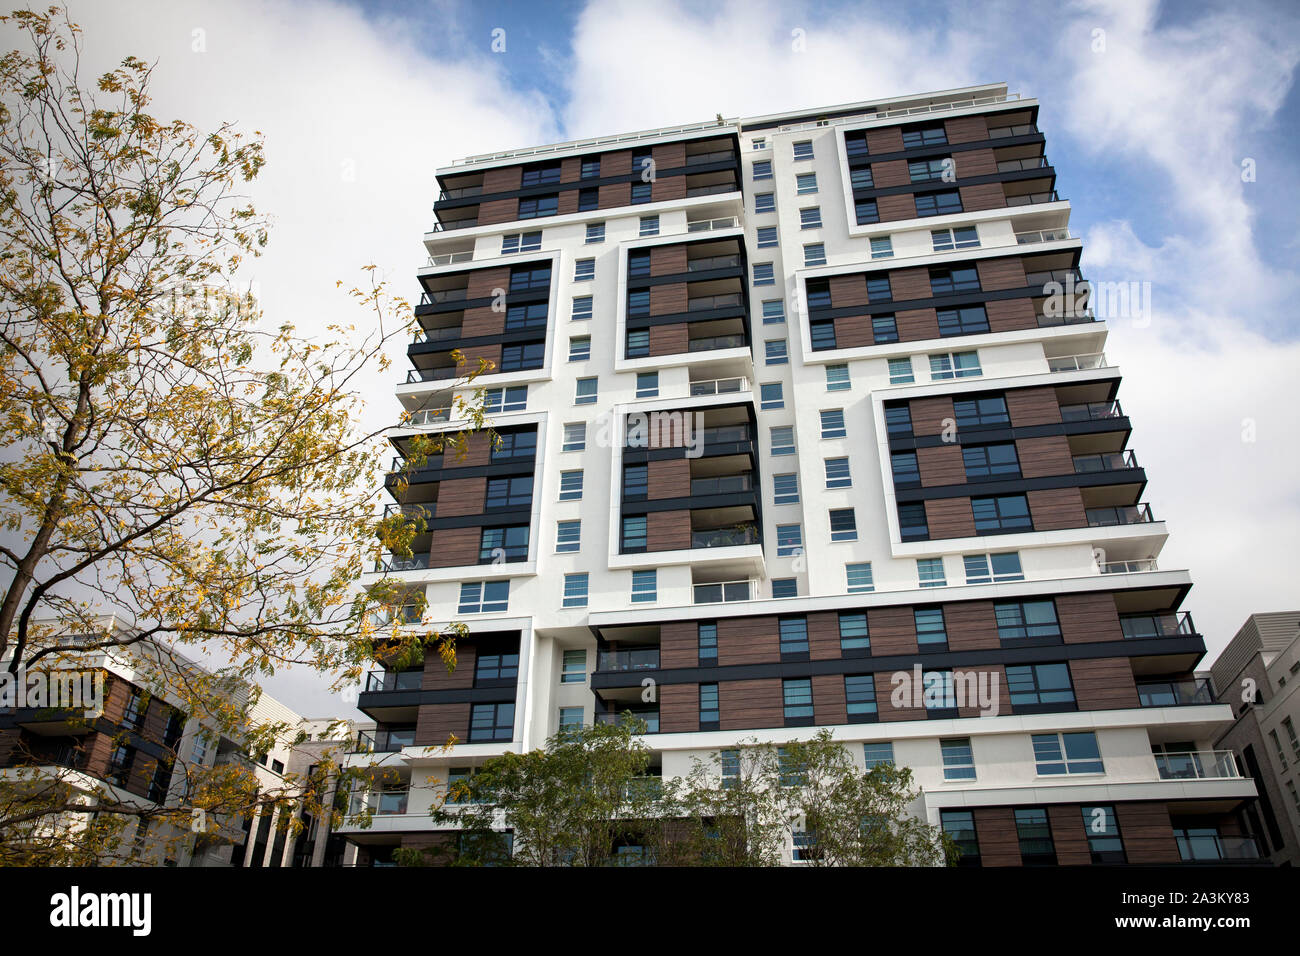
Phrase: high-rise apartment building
x=801 y=417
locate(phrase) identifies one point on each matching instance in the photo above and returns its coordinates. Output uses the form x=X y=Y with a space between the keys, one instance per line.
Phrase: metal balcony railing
x=702 y=302
x=384 y=681
x=709 y=225
x=1015 y=165
x=1105 y=461
x=1197 y=765
x=720 y=386
x=1032 y=199
x=443 y=373
x=439 y=296
x=1119 y=515
x=424 y=510
x=384 y=741
x=450 y=259
x=1002 y=132
x=1129 y=567
x=1175 y=693
x=717 y=156
x=1091 y=412
x=437 y=335
x=417 y=562
x=379 y=802
x=712 y=262
x=1143 y=626
x=721 y=592
x=633 y=659
x=713 y=342
x=722 y=484
x=1076 y=363
x=1195 y=846
x=461 y=192
x=714 y=190
x=726 y=434
x=454 y=224
x=725 y=537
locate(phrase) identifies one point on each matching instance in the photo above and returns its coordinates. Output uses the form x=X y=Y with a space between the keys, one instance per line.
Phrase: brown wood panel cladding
x=502 y=179
x=1049 y=455
x=830 y=706
x=751 y=640
x=1068 y=835
x=567 y=202
x=891 y=173
x=997 y=677
x=848 y=291
x=496 y=211
x=894 y=208
x=747 y=704
x=1147 y=833
x=489 y=353
x=436 y=723
x=983 y=196
x=1011 y=315
x=974 y=162
x=1088 y=618
x=824 y=636
x=116 y=692
x=679 y=708
x=614 y=194
x=995 y=828
x=482 y=321
x=487 y=283
x=940 y=465
x=570 y=169
x=618 y=163
x=887 y=139
x=679 y=644
x=884 y=698
x=668 y=299
x=949 y=518
x=971 y=626
x=668 y=478
x=1104 y=683
x=915 y=325
x=853 y=331
x=667 y=260
x=478 y=451
x=930 y=416
x=669 y=339
x=966 y=129
x=1033 y=406
x=892 y=630
x=909 y=284
x=666 y=188
x=437 y=677
x=461 y=496
x=1054 y=509
x=669 y=156
x=668 y=530
x=452 y=547
x=998 y=274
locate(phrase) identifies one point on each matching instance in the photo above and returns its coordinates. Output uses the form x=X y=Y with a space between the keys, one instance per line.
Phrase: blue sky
x=361 y=101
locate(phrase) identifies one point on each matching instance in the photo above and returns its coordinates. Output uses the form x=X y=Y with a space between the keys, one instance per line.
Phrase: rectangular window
x=783 y=440
x=930 y=629
x=810 y=218
x=634 y=533
x=803 y=149
x=520 y=317
x=510 y=543
x=958 y=759
x=882 y=248
x=785 y=587
x=515 y=445
x=789 y=540
x=771 y=395
x=1104 y=841
x=766 y=236
x=954 y=365
x=797 y=697
x=928 y=170
x=582 y=307
x=1039 y=686
x=985 y=462
x=568 y=536
x=775 y=353
x=837 y=473
x=496 y=667
x=924 y=136
x=729 y=765
x=649 y=226
x=959 y=825
x=875 y=754
x=785 y=489
x=638 y=265
x=1001 y=513
x=514 y=492
x=709 y=715
x=762 y=169
x=859 y=577
x=585 y=393
x=938 y=204
x=879 y=290
x=912 y=524
x=860 y=695
x=906 y=471
x=707 y=637
x=1034 y=834
x=900 y=371
x=773 y=311
x=884 y=329
x=819 y=293
x=969 y=320
x=980 y=412
x=866 y=212
x=814 y=254
x=992 y=568
x=595 y=232
x=584 y=269
x=854 y=635
x=1057 y=754
x=833 y=423
x=570 y=718
x=844 y=525
x=1026 y=620
x=527 y=278
x=636 y=482
x=642 y=193
x=575 y=595
x=823 y=335
x=492 y=722
x=647 y=384
x=571 y=485
x=861 y=178
x=764 y=202
x=575 y=437
x=763 y=274
x=590 y=167
x=512 y=399
x=638 y=343
x=588 y=199
x=645 y=586
x=579 y=348
x=929 y=572
x=963 y=237
x=805 y=183
x=794 y=635
x=855 y=145
x=482 y=597
x=536 y=206
x=540 y=175
x=837 y=378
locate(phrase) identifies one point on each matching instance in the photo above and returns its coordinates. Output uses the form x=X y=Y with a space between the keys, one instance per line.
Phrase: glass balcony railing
x=1069 y=317
x=1129 y=567
x=464 y=192
x=1076 y=363
x=450 y=224
x=709 y=225
x=1197 y=765
x=1091 y=412
x=1175 y=693
x=1002 y=132
x=716 y=342
x=720 y=386
x=693 y=191
x=726 y=434
x=1042 y=235
x=1031 y=199
x=406 y=614
x=725 y=537
x=440 y=296
x=1063 y=277
x=720 y=592
x=712 y=262
x=1145 y=626
x=1106 y=461
x=442 y=334
x=1119 y=515
x=383 y=681
x=412 y=511
x=379 y=802
x=651 y=718
x=721 y=301
x=722 y=485
x=631 y=659
x=416 y=562
x=1016 y=165
x=450 y=259
x=717 y=156
x=1205 y=845
x=440 y=374
x=386 y=741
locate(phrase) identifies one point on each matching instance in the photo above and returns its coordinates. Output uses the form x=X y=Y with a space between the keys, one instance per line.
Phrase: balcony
x=721 y=592
x=709 y=263
x=1129 y=567
x=1016 y=165
x=1175 y=693
x=441 y=373
x=1091 y=412
x=702 y=303
x=1105 y=461
x=404 y=614
x=726 y=434
x=379 y=802
x=1067 y=318
x=1146 y=626
x=651 y=718
x=464 y=192
x=634 y=659
x=1119 y=515
x=1064 y=277
x=1197 y=765
x=412 y=511
x=430 y=336
x=451 y=224
x=720 y=386
x=416 y=562
x=1031 y=199
x=1205 y=845
x=1077 y=363
x=725 y=537
x=1003 y=132
x=717 y=156
x=709 y=225
x=711 y=190
x=384 y=741
x=1042 y=235
x=450 y=259
x=442 y=296
x=712 y=342
x=722 y=485
x=385 y=681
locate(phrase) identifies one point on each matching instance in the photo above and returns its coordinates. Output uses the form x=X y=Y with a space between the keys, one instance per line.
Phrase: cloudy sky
x=1150 y=111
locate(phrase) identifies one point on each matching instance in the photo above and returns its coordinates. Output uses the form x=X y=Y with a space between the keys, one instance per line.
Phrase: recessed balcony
x=1197 y=765
x=1175 y=693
